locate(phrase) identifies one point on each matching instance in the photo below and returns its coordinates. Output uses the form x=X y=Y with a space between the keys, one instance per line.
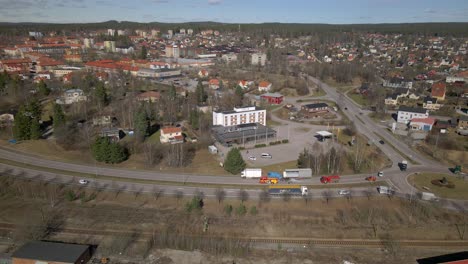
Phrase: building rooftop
x=50 y=251
x=412 y=109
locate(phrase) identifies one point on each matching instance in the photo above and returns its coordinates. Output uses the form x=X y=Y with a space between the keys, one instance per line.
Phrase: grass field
x=359 y=99
x=423 y=181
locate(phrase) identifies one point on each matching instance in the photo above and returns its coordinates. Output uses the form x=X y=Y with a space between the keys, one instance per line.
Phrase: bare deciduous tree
x=220 y=195
x=327 y=195
x=243 y=195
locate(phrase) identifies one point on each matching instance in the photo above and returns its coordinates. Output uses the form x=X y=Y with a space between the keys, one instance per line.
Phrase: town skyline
x=226 y=11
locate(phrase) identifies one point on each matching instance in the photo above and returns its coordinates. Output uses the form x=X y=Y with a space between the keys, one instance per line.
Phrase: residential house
x=264 y=86
x=460 y=77
x=398 y=93
x=244 y=84
x=214 y=84
x=229 y=57
x=258 y=59
x=171 y=135
x=36 y=252
x=203 y=73
x=103 y=120
x=272 y=98
x=424 y=124
x=114 y=134
x=72 y=96
x=438 y=91
x=240 y=115
x=149 y=96
x=431 y=104
x=397 y=83
x=405 y=114
x=463 y=122
x=15 y=65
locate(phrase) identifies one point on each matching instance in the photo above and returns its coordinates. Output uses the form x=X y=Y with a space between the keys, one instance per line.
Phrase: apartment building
x=240 y=115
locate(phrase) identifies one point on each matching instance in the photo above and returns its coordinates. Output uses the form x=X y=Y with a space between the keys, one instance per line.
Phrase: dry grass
x=423 y=180
x=281 y=166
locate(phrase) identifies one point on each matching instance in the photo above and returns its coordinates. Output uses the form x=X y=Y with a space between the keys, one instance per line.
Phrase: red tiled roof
x=428 y=120
x=264 y=84
x=214 y=82
x=169 y=130
x=438 y=90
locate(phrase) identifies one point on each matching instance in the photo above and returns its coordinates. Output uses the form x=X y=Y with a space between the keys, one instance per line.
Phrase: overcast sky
x=235 y=11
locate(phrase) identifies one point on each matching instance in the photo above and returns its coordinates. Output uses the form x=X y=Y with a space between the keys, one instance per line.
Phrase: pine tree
x=22 y=125
x=200 y=92
x=303 y=160
x=234 y=162
x=172 y=93
x=194 y=119
x=35 y=129
x=59 y=116
x=43 y=89
x=239 y=91
x=100 y=94
x=141 y=124
x=144 y=53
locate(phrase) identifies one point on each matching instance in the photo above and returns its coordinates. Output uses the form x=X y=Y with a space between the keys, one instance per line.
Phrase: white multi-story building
x=189 y=31
x=259 y=59
x=240 y=115
x=109 y=46
x=405 y=114
x=88 y=43
x=111 y=32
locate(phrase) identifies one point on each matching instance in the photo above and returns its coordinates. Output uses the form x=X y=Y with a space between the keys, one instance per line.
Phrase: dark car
x=346 y=108
x=381 y=142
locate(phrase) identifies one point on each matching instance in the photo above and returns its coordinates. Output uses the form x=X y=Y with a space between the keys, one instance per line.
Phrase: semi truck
x=251 y=173
x=330 y=179
x=297 y=173
x=403 y=165
x=288 y=189
x=385 y=190
x=274 y=174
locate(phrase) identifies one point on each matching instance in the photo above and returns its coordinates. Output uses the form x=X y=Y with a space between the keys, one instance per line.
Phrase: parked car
x=83 y=181
x=266 y=156
x=252 y=158
x=380 y=174
x=344 y=192
x=381 y=142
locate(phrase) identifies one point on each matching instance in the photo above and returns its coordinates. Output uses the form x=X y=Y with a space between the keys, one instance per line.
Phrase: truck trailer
x=274 y=174
x=297 y=173
x=427 y=196
x=251 y=173
x=403 y=165
x=288 y=189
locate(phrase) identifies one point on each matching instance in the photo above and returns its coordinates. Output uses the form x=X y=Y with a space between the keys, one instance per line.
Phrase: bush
x=196 y=204
x=228 y=209
x=241 y=210
x=260 y=145
x=70 y=196
x=275 y=143
x=253 y=210
x=241 y=148
x=284 y=141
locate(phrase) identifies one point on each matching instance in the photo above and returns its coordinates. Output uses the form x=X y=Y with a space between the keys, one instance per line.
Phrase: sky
x=235 y=11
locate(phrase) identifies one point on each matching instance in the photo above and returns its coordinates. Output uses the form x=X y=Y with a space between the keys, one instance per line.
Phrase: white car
x=266 y=155
x=83 y=181
x=344 y=192
x=380 y=174
x=252 y=158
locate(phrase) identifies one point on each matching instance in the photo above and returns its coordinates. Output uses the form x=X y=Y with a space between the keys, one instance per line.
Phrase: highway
x=176 y=182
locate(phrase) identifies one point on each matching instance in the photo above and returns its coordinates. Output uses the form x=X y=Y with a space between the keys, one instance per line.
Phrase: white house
x=171 y=135
x=259 y=59
x=240 y=115
x=72 y=96
x=431 y=103
x=405 y=114
x=264 y=86
x=229 y=57
x=244 y=84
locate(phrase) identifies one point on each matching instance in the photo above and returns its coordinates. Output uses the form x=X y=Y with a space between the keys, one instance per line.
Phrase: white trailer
x=297 y=173
x=427 y=196
x=385 y=190
x=251 y=173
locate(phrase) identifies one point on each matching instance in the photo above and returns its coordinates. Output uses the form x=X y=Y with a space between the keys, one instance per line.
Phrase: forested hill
x=283 y=29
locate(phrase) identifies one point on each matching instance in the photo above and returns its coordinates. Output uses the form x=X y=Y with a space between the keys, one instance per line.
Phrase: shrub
x=196 y=204
x=284 y=141
x=260 y=145
x=70 y=196
x=228 y=209
x=241 y=210
x=253 y=210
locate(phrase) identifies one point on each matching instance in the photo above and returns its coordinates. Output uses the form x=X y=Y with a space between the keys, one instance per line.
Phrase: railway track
x=265 y=240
